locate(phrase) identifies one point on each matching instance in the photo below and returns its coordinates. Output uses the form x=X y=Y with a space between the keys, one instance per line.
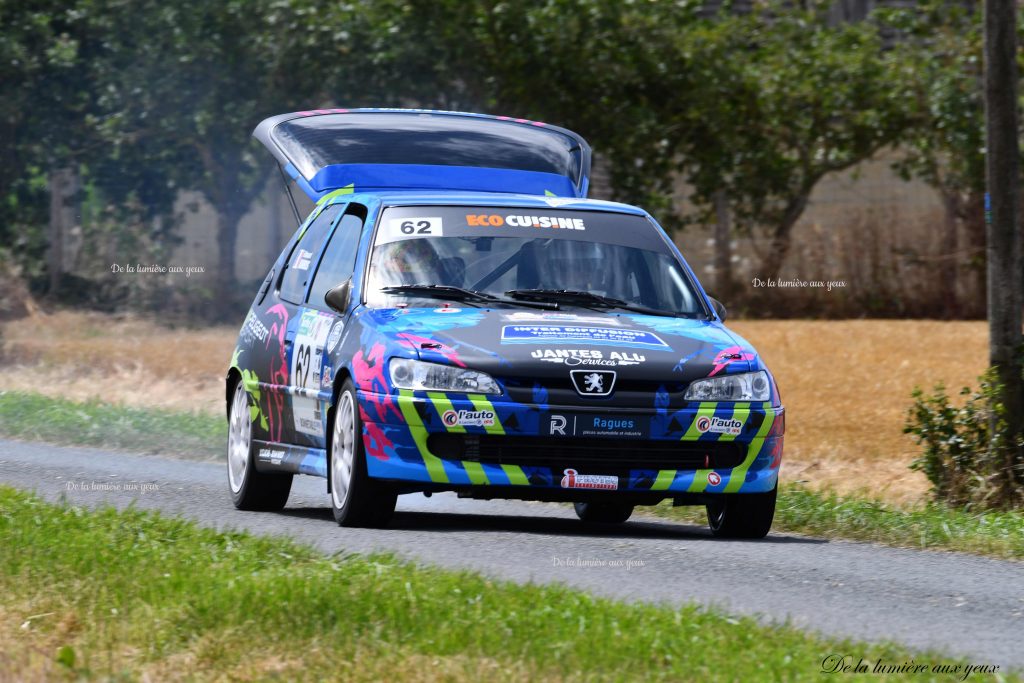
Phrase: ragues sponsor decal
x=572 y=479
x=468 y=418
x=718 y=425
x=635 y=426
x=607 y=426
x=588 y=357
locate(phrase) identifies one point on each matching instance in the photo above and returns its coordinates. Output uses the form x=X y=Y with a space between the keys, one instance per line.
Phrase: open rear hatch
x=358 y=150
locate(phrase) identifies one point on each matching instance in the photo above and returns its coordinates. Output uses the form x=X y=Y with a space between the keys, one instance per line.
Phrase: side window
x=339 y=258
x=298 y=268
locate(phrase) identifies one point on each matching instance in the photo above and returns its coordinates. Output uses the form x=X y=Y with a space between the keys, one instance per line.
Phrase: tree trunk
x=227 y=235
x=60 y=188
x=949 y=268
x=723 y=250
x=772 y=262
x=1005 y=274
x=973 y=217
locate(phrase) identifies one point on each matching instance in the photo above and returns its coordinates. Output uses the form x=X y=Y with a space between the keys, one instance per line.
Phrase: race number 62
x=416 y=227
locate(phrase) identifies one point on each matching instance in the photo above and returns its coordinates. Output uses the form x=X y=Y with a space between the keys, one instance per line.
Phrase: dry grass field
x=846 y=384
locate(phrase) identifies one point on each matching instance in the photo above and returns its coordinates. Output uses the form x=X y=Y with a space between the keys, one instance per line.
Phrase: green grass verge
x=999 y=534
x=95 y=423
x=147 y=596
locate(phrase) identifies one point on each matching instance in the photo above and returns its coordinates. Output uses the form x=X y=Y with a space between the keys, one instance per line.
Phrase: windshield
x=515 y=251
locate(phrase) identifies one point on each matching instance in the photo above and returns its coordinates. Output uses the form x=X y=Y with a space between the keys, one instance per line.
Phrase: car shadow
x=451 y=522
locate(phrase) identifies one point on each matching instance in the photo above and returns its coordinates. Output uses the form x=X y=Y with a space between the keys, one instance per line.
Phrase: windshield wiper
x=585 y=299
x=462 y=294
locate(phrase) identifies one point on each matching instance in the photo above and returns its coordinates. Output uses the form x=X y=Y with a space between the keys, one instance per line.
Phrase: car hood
x=522 y=344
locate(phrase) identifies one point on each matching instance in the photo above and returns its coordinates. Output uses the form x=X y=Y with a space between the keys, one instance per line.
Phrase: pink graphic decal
x=374 y=440
x=733 y=354
x=776 y=454
x=369 y=371
x=450 y=354
x=278 y=370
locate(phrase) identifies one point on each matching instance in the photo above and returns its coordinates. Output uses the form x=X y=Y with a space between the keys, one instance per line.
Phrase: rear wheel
x=603 y=512
x=250 y=490
x=742 y=515
x=356 y=499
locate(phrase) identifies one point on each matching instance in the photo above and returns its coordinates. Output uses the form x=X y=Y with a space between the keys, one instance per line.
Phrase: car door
x=320 y=329
x=279 y=312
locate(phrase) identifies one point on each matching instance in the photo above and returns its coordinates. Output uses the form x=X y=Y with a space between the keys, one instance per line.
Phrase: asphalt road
x=955 y=604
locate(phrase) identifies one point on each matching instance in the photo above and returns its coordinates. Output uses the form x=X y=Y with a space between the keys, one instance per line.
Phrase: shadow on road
x=448 y=522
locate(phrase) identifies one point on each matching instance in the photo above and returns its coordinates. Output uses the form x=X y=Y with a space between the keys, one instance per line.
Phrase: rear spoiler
x=331 y=151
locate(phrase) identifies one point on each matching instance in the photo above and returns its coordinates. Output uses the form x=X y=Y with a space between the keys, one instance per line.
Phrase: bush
x=967 y=462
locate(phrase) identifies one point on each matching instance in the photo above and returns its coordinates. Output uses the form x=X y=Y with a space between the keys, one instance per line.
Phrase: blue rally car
x=455 y=315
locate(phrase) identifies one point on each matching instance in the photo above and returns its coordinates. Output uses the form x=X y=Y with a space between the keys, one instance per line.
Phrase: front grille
x=631 y=393
x=591 y=455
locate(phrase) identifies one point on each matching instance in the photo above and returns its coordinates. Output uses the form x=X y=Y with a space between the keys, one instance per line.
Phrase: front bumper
x=460 y=441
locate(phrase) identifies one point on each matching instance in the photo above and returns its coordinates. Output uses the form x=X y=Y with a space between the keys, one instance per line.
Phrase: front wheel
x=356 y=499
x=603 y=512
x=250 y=490
x=742 y=515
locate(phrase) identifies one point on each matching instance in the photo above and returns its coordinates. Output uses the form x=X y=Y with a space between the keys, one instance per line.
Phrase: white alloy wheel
x=239 y=438
x=343 y=452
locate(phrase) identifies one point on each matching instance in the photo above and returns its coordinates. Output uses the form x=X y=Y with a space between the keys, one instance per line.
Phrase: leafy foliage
x=145 y=99
x=798 y=99
x=965 y=454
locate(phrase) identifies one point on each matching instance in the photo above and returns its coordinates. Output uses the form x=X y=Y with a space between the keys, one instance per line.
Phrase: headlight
x=420 y=376
x=747 y=386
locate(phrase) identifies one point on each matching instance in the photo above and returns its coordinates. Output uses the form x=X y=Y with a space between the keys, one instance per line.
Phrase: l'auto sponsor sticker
x=718 y=425
x=468 y=418
x=561 y=334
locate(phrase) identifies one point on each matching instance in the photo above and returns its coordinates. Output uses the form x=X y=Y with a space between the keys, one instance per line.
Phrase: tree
x=802 y=99
x=596 y=66
x=43 y=99
x=944 y=145
x=1005 y=259
x=184 y=84
x=51 y=103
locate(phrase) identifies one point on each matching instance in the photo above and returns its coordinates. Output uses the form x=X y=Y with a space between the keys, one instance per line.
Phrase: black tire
x=362 y=501
x=603 y=512
x=250 y=490
x=742 y=515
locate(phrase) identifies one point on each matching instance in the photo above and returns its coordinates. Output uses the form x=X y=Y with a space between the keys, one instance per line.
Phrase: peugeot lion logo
x=593 y=382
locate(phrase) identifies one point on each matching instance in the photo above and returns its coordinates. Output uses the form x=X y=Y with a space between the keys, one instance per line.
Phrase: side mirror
x=719 y=308
x=338 y=297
